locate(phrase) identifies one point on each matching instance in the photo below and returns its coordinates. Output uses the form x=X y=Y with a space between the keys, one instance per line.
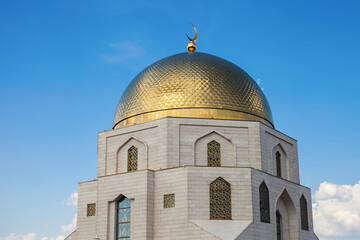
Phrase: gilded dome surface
x=195 y=85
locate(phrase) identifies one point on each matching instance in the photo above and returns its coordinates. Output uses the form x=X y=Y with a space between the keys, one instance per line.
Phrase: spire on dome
x=191 y=47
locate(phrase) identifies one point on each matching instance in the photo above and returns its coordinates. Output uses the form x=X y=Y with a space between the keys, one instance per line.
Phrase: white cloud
x=70 y=227
x=14 y=236
x=29 y=236
x=128 y=51
x=258 y=81
x=337 y=211
x=57 y=238
x=72 y=200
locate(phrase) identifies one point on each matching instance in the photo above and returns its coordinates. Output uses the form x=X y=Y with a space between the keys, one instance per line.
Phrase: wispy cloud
x=66 y=229
x=337 y=211
x=72 y=200
x=14 y=236
x=57 y=238
x=126 y=51
x=29 y=236
x=71 y=226
x=258 y=81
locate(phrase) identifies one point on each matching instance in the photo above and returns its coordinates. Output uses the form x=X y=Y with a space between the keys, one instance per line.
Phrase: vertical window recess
x=123 y=219
x=264 y=203
x=304 y=213
x=132 y=159
x=278 y=226
x=169 y=200
x=91 y=209
x=278 y=164
x=220 y=199
x=214 y=154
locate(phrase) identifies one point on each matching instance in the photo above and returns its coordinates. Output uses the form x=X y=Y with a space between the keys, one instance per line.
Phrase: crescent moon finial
x=191 y=45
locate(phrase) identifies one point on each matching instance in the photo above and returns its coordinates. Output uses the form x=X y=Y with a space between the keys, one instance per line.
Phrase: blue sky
x=64 y=65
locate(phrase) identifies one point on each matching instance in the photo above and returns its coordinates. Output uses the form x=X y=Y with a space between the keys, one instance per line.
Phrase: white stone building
x=194 y=154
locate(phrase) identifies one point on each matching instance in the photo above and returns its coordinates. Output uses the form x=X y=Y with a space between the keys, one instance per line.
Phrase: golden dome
x=193 y=85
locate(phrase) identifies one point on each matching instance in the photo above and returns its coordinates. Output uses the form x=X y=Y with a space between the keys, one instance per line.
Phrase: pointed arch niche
x=220 y=199
x=133 y=155
x=214 y=154
x=289 y=221
x=126 y=152
x=304 y=213
x=279 y=233
x=280 y=162
x=226 y=146
x=264 y=203
x=121 y=217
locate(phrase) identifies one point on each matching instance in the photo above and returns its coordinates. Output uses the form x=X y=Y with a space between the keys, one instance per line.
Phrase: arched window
x=264 y=203
x=213 y=154
x=132 y=159
x=278 y=226
x=123 y=218
x=304 y=213
x=220 y=199
x=278 y=164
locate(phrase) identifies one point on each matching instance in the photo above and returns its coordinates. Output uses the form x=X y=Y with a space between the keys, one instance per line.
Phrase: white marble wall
x=172 y=142
x=173 y=159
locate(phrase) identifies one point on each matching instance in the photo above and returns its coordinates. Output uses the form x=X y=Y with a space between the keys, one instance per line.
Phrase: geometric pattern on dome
x=192 y=80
